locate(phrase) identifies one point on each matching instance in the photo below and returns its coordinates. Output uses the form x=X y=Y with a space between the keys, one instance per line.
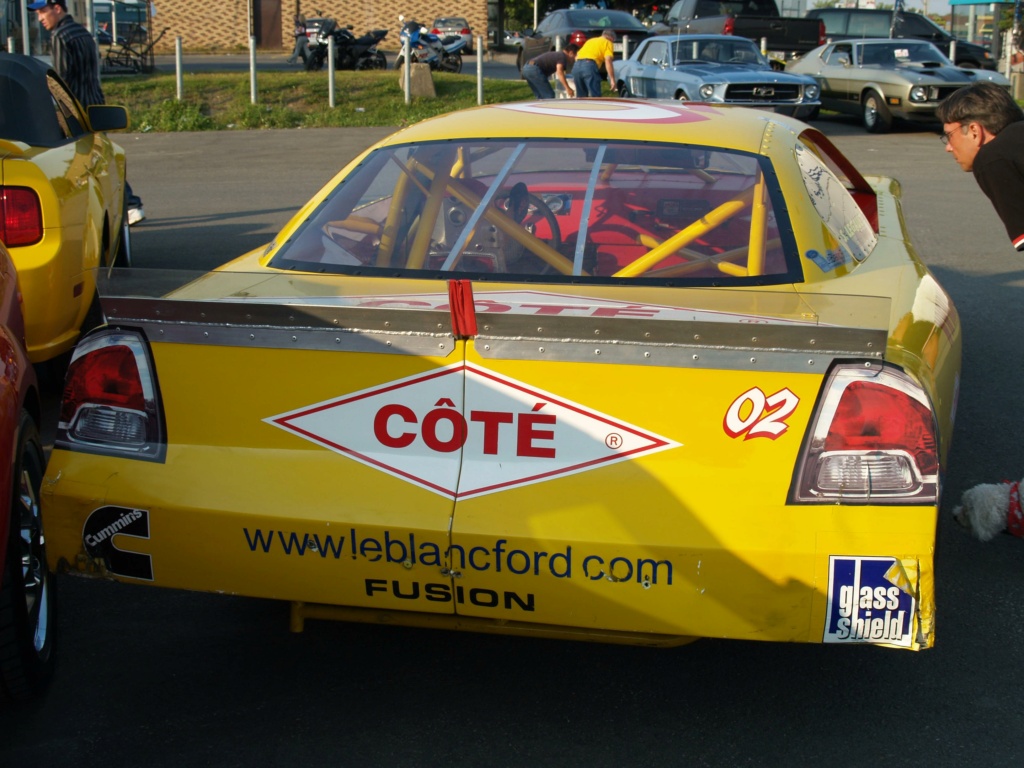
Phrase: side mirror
x=105 y=117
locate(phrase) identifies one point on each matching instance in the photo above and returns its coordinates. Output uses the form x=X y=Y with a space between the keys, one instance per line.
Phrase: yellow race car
x=597 y=369
x=62 y=200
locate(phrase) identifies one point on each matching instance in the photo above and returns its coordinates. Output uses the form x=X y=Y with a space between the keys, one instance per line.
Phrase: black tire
x=624 y=92
x=373 y=61
x=123 y=251
x=451 y=62
x=315 y=62
x=814 y=114
x=876 y=115
x=28 y=595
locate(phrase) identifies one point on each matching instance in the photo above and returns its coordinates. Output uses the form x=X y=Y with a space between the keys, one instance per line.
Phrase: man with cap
x=597 y=52
x=75 y=57
x=76 y=60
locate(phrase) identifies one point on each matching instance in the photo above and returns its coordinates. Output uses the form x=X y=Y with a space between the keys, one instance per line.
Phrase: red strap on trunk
x=460 y=303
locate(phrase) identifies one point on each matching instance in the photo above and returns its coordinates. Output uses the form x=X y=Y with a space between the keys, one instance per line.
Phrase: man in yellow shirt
x=596 y=53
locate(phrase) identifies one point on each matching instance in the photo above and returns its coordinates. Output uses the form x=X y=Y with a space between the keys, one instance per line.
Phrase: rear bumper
x=828 y=574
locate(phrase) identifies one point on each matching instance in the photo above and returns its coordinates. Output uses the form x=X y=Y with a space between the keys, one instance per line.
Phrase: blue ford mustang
x=714 y=68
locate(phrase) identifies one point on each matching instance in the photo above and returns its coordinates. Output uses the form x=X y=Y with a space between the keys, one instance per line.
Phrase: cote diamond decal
x=464 y=431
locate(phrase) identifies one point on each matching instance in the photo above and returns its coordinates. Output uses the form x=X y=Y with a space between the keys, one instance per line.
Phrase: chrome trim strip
x=286 y=326
x=687 y=344
x=616 y=341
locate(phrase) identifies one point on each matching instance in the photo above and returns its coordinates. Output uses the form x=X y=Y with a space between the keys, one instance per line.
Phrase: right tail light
x=872 y=440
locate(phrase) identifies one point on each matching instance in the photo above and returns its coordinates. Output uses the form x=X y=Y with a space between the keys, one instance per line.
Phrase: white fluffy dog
x=988 y=509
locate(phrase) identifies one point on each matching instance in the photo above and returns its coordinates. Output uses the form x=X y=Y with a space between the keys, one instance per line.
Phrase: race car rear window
x=551 y=211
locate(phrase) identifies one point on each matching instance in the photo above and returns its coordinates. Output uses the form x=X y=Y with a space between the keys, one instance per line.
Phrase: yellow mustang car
x=62 y=200
x=678 y=375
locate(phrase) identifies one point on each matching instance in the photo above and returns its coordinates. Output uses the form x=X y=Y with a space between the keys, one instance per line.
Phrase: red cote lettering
x=554 y=309
x=380 y=426
x=628 y=311
x=450 y=437
x=528 y=433
x=458 y=430
x=492 y=421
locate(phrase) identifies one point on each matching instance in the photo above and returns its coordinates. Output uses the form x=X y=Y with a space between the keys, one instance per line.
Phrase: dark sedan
x=555 y=30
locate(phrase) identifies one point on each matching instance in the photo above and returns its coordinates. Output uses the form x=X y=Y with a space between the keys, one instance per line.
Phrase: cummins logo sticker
x=465 y=431
x=107 y=523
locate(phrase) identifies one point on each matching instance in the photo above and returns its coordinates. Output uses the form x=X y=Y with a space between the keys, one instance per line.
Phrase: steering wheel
x=527 y=209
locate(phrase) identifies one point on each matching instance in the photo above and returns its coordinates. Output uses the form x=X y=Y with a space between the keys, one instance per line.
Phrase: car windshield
x=597 y=19
x=718 y=51
x=901 y=52
x=553 y=211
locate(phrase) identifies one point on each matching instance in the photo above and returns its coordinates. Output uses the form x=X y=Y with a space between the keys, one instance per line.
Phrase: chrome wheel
x=34 y=576
x=28 y=592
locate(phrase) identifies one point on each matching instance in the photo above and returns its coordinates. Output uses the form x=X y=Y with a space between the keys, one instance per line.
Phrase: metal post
x=407 y=70
x=252 y=70
x=12 y=44
x=330 y=71
x=26 y=45
x=479 y=70
x=1008 y=51
x=625 y=47
x=952 y=50
x=178 y=76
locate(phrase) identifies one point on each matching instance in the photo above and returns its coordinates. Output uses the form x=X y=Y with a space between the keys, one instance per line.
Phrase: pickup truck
x=756 y=19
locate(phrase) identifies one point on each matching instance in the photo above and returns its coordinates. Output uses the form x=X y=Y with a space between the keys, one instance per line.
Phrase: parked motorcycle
x=350 y=52
x=442 y=54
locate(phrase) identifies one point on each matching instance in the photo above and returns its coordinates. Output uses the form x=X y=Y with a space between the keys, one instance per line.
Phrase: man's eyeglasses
x=944 y=138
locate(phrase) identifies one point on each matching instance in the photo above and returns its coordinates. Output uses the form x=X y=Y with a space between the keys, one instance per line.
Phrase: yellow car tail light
x=22 y=220
x=872 y=441
x=110 y=403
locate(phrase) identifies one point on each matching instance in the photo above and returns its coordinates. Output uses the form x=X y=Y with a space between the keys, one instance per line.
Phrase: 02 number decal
x=754 y=414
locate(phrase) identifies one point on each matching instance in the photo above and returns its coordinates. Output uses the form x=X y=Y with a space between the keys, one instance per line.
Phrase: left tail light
x=111 y=401
x=872 y=441
x=22 y=220
x=822 y=38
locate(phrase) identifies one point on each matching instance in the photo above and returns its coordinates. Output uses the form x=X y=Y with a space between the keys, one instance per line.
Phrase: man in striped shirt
x=76 y=59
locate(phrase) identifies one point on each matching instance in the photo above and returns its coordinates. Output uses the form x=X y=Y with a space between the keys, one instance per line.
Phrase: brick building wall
x=224 y=26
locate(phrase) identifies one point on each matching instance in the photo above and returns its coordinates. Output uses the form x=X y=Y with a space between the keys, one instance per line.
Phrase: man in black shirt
x=983 y=128
x=76 y=60
x=539 y=71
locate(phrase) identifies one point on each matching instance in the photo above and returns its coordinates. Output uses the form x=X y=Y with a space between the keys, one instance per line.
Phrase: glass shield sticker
x=870 y=600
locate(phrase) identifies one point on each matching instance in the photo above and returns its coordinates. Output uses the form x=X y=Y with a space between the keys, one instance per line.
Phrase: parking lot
x=156 y=678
